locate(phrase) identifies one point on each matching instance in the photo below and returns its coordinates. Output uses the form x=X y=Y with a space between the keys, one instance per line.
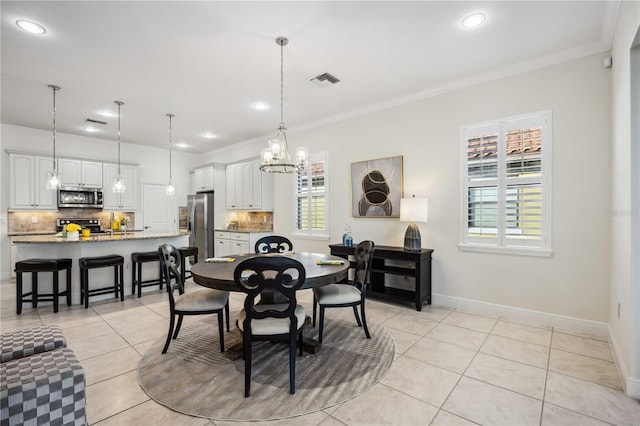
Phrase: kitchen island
x=53 y=246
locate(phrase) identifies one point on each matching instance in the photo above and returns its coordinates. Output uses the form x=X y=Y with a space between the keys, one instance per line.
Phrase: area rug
x=194 y=378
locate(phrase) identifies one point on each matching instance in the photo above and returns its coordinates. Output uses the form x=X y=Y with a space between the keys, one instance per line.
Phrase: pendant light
x=53 y=177
x=171 y=187
x=118 y=183
x=275 y=157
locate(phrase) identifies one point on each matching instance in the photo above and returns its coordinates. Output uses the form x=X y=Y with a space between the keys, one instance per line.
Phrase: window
x=506 y=185
x=311 y=197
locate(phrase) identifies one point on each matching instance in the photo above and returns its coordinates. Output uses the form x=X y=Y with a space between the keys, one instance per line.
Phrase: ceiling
x=209 y=62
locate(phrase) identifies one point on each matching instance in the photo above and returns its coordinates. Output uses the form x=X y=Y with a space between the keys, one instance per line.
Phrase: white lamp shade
x=414 y=209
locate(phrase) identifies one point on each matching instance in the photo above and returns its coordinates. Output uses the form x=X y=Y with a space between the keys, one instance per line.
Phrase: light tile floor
x=451 y=368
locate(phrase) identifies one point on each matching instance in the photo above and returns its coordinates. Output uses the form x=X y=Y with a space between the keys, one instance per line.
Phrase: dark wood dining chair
x=271 y=322
x=196 y=302
x=273 y=244
x=347 y=294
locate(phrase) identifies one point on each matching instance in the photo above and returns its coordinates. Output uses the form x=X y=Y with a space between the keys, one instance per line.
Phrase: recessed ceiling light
x=182 y=145
x=107 y=113
x=260 y=106
x=209 y=135
x=30 y=26
x=90 y=129
x=473 y=20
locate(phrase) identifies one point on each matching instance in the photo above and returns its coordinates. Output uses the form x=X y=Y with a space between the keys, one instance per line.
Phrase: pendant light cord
x=170 y=162
x=282 y=84
x=119 y=104
x=55 y=89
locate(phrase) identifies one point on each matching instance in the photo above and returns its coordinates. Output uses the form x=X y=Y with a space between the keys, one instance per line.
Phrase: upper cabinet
x=28 y=183
x=233 y=186
x=81 y=173
x=204 y=178
x=192 y=182
x=126 y=200
x=247 y=188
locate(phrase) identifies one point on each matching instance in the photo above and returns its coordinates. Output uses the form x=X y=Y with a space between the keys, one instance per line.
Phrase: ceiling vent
x=324 y=80
x=93 y=121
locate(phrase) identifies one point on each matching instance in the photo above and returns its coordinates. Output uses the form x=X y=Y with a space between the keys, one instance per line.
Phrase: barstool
x=42 y=265
x=137 y=259
x=87 y=263
x=184 y=253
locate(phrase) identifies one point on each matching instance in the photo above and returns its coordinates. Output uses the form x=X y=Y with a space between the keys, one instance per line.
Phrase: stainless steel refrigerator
x=200 y=225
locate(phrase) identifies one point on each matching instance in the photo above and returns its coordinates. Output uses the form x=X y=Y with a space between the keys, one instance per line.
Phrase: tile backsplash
x=254 y=221
x=23 y=222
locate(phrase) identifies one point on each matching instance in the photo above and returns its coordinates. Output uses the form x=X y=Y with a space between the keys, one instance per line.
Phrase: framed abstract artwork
x=376 y=187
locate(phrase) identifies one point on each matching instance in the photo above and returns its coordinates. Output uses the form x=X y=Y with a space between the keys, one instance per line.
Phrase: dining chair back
x=273 y=244
x=198 y=302
x=350 y=293
x=282 y=321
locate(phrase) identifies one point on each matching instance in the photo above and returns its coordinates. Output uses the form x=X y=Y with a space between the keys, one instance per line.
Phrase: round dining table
x=219 y=274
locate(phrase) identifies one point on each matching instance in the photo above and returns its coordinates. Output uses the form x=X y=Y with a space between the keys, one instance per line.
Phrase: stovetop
x=93 y=224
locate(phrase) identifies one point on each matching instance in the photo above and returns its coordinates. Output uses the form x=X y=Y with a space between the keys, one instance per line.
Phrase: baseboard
x=527 y=316
x=633 y=387
x=631 y=384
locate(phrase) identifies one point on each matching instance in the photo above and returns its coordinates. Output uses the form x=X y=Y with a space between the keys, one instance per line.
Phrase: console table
x=387 y=261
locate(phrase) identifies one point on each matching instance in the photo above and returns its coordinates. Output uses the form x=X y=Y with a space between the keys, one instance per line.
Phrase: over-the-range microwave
x=80 y=197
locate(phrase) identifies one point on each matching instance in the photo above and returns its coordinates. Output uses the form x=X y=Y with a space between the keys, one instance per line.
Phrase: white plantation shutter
x=310 y=194
x=506 y=183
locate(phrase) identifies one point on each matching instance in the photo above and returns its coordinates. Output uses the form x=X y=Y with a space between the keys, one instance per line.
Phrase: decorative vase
x=73 y=235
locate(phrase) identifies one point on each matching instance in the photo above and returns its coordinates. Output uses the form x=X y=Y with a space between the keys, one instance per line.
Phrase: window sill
x=320 y=237
x=519 y=251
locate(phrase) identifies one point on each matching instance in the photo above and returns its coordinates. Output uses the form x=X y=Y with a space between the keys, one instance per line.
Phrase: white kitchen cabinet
x=248 y=188
x=204 y=179
x=126 y=200
x=28 y=183
x=238 y=246
x=221 y=247
x=192 y=183
x=233 y=182
x=251 y=186
x=228 y=243
x=81 y=173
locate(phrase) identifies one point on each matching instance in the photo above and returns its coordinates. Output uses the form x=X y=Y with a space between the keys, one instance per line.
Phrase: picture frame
x=377 y=187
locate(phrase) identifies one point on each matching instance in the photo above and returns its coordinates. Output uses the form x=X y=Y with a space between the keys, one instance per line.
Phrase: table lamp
x=413 y=210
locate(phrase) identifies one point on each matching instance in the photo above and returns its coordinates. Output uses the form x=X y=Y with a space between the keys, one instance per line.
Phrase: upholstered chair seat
x=335 y=294
x=268 y=326
x=202 y=300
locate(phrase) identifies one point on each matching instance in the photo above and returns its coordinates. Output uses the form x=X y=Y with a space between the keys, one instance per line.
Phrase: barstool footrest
x=99 y=291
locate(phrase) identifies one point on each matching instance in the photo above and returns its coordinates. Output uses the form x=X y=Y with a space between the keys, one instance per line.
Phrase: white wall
x=574 y=282
x=624 y=329
x=153 y=166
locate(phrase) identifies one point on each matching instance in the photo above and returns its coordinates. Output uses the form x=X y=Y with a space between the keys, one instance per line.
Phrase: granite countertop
x=117 y=236
x=246 y=231
x=16 y=234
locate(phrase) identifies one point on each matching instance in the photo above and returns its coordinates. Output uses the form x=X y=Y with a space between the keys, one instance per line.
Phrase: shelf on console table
x=420 y=270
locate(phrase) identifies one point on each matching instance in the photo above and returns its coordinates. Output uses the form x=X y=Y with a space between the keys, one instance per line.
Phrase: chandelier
x=276 y=157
